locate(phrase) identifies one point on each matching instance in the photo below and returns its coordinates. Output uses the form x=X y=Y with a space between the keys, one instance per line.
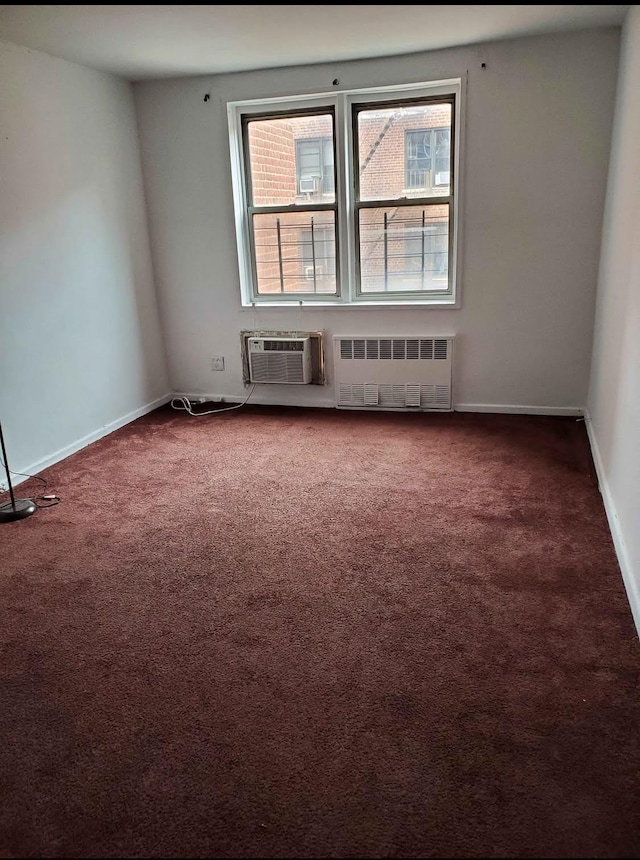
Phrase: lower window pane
x=404 y=248
x=295 y=252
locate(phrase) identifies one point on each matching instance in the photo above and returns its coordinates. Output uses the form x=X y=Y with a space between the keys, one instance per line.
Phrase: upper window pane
x=404 y=151
x=291 y=160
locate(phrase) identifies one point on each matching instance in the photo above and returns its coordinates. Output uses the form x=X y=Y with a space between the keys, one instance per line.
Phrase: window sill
x=451 y=304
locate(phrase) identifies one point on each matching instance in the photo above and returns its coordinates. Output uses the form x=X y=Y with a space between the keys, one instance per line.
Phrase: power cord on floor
x=51 y=499
x=185 y=405
x=181 y=404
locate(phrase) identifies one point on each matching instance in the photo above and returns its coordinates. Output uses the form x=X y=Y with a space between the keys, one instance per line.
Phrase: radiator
x=405 y=373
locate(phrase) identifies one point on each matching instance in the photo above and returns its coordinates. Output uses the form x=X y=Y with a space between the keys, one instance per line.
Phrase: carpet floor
x=319 y=633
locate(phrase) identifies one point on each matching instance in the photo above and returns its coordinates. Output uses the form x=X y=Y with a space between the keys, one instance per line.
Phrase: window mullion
x=343 y=197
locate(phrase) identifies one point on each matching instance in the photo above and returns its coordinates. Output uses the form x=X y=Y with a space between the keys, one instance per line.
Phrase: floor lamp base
x=18 y=511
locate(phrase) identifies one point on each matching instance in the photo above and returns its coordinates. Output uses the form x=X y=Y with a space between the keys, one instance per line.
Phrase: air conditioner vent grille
x=283 y=345
x=280 y=367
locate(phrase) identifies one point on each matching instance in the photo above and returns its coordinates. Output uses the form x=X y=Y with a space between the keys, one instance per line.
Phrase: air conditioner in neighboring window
x=308 y=184
x=308 y=272
x=285 y=360
x=442 y=178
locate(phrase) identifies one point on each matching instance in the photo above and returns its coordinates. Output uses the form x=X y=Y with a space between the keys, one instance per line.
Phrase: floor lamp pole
x=16 y=509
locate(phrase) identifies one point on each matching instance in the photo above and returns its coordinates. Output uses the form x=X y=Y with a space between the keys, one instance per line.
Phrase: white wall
x=80 y=341
x=614 y=394
x=538 y=126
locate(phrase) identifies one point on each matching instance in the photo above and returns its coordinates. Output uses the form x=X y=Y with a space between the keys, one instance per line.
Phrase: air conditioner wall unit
x=309 y=272
x=282 y=360
x=308 y=184
x=394 y=373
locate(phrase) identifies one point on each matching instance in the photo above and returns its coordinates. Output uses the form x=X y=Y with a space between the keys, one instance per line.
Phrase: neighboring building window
x=427 y=157
x=383 y=192
x=314 y=165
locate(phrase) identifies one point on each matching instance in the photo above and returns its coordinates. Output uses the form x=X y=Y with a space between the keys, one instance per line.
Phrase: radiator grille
x=394 y=396
x=412 y=349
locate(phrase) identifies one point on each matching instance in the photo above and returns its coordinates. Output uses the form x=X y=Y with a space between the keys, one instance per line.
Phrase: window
x=349 y=197
x=286 y=216
x=314 y=165
x=427 y=157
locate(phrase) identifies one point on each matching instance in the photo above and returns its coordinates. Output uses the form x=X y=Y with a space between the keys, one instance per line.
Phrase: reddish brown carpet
x=281 y=633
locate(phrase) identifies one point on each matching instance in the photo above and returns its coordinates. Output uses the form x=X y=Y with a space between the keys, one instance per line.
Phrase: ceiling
x=143 y=42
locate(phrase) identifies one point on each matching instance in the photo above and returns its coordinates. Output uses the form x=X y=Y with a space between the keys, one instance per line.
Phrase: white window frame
x=346 y=251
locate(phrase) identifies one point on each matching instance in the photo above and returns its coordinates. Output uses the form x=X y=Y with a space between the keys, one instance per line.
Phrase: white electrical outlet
x=217 y=362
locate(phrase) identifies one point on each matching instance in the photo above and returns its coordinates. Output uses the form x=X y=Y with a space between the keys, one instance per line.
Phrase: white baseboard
x=79 y=444
x=268 y=400
x=518 y=410
x=630 y=582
